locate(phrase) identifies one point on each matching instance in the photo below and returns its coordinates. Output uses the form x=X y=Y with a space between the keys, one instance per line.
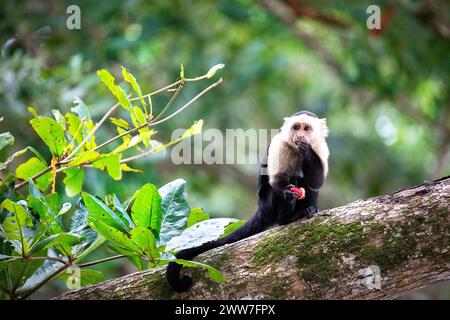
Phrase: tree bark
x=369 y=249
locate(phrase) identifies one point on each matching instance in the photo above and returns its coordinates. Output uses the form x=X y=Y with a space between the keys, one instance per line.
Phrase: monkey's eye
x=296 y=127
x=307 y=128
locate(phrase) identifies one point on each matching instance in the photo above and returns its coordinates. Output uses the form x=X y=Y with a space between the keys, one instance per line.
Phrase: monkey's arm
x=312 y=166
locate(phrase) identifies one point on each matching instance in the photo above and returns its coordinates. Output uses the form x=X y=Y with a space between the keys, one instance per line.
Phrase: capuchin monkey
x=297 y=157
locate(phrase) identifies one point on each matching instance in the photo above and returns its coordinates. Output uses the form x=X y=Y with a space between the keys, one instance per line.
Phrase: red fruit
x=300 y=192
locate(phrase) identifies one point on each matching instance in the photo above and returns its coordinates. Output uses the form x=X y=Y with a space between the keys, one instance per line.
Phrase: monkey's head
x=304 y=126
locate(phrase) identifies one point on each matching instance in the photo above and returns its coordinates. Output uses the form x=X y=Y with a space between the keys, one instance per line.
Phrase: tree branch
x=405 y=234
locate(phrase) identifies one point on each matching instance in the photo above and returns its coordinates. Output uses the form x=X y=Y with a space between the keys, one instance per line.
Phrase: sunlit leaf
x=114 y=235
x=14 y=226
x=85 y=157
x=51 y=132
x=73 y=181
x=102 y=212
x=32 y=167
x=59 y=118
x=146 y=208
x=132 y=80
x=120 y=123
x=116 y=90
x=110 y=163
x=212 y=71
x=196 y=215
x=232 y=227
x=145 y=239
x=196 y=128
x=125 y=167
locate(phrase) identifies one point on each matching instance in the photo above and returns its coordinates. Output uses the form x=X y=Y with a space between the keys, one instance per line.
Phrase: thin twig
x=215 y=84
x=88 y=264
x=172 y=99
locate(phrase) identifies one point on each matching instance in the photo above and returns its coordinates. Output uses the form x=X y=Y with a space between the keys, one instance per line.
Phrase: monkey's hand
x=305 y=149
x=289 y=196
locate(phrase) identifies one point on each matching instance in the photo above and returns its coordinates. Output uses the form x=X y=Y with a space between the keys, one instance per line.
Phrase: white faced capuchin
x=297 y=157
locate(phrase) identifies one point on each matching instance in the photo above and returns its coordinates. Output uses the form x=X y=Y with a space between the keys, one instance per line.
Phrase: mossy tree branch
x=405 y=234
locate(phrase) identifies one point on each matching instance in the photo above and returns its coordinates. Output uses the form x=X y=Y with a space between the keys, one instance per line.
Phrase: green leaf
x=37 y=271
x=6 y=139
x=232 y=227
x=32 y=167
x=146 y=208
x=212 y=71
x=174 y=209
x=111 y=163
x=182 y=71
x=63 y=239
x=114 y=235
x=196 y=215
x=87 y=276
x=145 y=239
x=144 y=132
x=214 y=274
x=102 y=212
x=21 y=215
x=81 y=109
x=199 y=233
x=73 y=181
x=37 y=154
x=33 y=111
x=21 y=271
x=116 y=90
x=13 y=226
x=120 y=123
x=51 y=132
x=84 y=157
x=127 y=168
x=73 y=123
x=132 y=80
x=81 y=251
x=46 y=208
x=196 y=128
x=59 y=118
x=79 y=226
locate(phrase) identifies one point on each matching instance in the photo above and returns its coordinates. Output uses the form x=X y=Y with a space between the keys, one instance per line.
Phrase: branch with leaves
x=35 y=245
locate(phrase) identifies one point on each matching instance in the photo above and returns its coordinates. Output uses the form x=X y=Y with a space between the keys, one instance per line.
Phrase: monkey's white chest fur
x=283 y=158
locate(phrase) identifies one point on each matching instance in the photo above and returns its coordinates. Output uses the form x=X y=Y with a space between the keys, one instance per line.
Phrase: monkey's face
x=304 y=128
x=301 y=132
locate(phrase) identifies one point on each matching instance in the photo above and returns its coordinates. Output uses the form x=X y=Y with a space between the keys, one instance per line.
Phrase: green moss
x=279 y=291
x=159 y=288
x=320 y=246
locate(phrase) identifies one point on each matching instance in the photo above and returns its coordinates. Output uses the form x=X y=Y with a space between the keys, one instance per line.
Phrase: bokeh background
x=384 y=92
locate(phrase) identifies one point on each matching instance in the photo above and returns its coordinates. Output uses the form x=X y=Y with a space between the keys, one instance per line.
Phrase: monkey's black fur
x=276 y=205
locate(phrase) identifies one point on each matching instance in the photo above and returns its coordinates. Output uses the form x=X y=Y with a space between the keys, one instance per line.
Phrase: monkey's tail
x=251 y=227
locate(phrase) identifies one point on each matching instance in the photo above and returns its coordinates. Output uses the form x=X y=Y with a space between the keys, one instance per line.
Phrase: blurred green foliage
x=385 y=94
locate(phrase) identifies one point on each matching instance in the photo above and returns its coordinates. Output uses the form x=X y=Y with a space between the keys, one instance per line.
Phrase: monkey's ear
x=323 y=127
